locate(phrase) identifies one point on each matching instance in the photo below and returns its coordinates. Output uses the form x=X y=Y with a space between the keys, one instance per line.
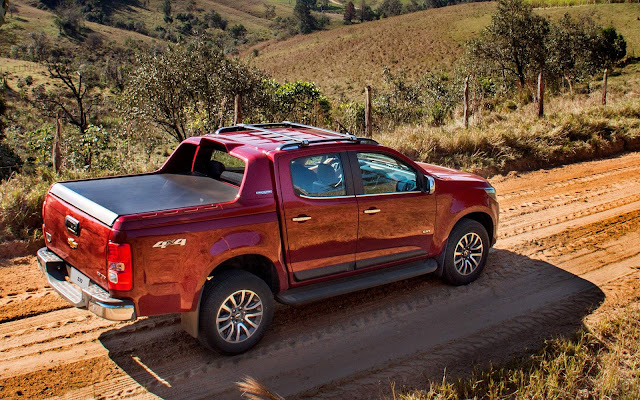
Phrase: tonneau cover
x=108 y=198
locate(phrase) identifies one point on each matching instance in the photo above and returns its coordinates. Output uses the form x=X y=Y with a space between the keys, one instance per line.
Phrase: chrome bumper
x=93 y=298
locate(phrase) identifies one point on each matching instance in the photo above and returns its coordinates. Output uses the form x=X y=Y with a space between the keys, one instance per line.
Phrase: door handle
x=301 y=218
x=372 y=211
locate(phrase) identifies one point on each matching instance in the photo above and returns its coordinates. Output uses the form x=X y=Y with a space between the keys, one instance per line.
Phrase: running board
x=324 y=290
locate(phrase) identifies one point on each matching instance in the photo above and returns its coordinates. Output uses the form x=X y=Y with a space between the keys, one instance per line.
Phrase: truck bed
x=108 y=198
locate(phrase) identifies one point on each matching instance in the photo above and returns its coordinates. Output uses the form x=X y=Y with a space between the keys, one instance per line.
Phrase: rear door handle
x=301 y=218
x=372 y=211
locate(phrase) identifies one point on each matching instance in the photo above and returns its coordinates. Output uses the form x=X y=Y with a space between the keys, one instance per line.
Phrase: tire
x=233 y=329
x=466 y=252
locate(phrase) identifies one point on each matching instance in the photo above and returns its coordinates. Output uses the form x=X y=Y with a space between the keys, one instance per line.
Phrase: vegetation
x=599 y=362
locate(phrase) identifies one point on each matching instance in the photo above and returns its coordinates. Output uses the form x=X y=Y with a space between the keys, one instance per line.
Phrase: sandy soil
x=567 y=250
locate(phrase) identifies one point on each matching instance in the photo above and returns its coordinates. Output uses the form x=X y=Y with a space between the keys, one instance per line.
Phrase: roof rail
x=261 y=130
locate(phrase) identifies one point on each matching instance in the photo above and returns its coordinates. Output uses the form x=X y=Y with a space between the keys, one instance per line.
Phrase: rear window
x=212 y=160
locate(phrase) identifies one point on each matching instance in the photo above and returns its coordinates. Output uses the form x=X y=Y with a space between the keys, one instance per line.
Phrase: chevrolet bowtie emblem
x=72 y=243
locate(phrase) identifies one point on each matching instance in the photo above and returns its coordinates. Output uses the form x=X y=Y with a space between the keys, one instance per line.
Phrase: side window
x=384 y=174
x=318 y=176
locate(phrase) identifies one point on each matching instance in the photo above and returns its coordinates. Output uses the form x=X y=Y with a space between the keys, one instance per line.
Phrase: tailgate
x=84 y=249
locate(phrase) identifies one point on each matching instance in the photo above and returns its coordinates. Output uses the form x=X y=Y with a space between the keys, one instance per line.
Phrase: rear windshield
x=212 y=160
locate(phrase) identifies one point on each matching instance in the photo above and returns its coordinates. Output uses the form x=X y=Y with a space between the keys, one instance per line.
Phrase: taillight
x=119 y=268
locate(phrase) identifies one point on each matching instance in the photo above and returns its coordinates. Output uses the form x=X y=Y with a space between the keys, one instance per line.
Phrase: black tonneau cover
x=108 y=198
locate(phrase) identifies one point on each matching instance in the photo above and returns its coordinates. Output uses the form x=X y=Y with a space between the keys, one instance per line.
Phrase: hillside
x=342 y=61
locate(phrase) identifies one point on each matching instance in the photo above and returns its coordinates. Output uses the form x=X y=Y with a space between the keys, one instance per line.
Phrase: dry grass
x=601 y=362
x=342 y=61
x=575 y=128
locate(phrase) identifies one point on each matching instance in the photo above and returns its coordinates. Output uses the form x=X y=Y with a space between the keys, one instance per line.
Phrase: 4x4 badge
x=175 y=242
x=72 y=243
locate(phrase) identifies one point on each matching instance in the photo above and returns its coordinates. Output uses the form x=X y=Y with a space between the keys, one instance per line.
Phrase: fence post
x=367 y=111
x=604 y=86
x=56 y=156
x=540 y=96
x=466 y=103
x=237 y=110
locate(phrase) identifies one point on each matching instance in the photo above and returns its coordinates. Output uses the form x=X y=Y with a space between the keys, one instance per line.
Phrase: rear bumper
x=93 y=298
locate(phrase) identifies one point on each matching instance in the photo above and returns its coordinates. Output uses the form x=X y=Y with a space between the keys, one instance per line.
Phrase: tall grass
x=519 y=141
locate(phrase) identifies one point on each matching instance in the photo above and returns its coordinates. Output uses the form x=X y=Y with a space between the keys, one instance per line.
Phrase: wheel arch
x=479 y=216
x=256 y=264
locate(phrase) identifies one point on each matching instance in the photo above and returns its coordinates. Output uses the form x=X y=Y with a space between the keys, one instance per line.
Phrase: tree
x=4 y=7
x=390 y=8
x=513 y=44
x=166 y=10
x=186 y=88
x=302 y=12
x=365 y=13
x=75 y=100
x=349 y=13
x=610 y=47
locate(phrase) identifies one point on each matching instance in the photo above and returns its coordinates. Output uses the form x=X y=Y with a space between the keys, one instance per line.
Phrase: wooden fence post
x=604 y=86
x=367 y=111
x=56 y=154
x=466 y=103
x=540 y=96
x=237 y=110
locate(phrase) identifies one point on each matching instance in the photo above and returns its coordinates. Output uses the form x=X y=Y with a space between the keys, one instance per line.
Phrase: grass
x=575 y=128
x=601 y=362
x=343 y=61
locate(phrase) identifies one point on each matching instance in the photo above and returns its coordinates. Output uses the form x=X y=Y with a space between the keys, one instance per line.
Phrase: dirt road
x=567 y=244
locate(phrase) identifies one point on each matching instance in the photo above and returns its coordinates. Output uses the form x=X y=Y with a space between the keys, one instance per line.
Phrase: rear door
x=396 y=219
x=320 y=214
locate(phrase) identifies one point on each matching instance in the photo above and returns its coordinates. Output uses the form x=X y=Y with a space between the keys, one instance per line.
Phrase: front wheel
x=236 y=309
x=466 y=252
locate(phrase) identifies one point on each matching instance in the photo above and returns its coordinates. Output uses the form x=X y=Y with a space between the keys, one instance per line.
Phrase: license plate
x=78 y=278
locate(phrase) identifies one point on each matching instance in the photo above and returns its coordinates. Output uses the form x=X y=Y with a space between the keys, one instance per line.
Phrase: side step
x=324 y=290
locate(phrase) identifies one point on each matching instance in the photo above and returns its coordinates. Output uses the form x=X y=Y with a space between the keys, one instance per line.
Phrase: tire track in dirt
x=563 y=233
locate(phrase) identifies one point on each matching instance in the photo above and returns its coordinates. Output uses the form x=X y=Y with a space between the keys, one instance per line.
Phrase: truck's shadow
x=298 y=353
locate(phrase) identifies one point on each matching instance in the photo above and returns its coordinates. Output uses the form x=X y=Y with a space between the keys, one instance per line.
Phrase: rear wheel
x=236 y=309
x=466 y=252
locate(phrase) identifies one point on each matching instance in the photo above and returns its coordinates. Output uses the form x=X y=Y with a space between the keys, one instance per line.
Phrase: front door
x=320 y=215
x=396 y=217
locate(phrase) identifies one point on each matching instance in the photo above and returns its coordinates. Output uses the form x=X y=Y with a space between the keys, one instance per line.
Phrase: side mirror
x=428 y=184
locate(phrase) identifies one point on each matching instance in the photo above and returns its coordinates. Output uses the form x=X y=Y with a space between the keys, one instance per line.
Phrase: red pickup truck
x=250 y=213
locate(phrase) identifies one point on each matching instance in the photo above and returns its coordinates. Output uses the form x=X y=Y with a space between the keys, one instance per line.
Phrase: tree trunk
x=367 y=111
x=570 y=84
x=237 y=110
x=604 y=86
x=56 y=154
x=466 y=103
x=540 y=96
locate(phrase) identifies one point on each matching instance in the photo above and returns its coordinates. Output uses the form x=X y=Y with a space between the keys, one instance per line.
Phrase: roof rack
x=261 y=129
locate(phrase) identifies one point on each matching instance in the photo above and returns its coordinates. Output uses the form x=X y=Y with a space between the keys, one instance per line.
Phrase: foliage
x=297 y=101
x=390 y=8
x=166 y=10
x=302 y=12
x=519 y=44
x=69 y=20
x=513 y=45
x=172 y=87
x=365 y=13
x=349 y=13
